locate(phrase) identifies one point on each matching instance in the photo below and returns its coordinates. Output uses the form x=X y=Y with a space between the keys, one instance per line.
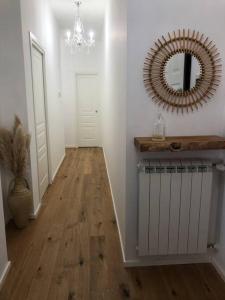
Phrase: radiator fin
x=174 y=207
x=174 y=211
x=154 y=212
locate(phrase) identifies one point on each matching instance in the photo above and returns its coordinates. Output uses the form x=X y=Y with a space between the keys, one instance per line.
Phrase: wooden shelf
x=180 y=143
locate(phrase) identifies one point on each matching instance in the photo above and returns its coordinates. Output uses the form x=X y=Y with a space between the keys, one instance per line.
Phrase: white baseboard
x=35 y=214
x=71 y=146
x=164 y=261
x=4 y=274
x=114 y=207
x=59 y=165
x=218 y=268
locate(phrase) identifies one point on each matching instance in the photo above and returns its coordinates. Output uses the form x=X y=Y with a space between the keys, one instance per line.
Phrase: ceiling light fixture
x=78 y=38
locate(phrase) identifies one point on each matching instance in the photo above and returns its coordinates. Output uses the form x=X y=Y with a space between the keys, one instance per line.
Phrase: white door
x=88 y=110
x=40 y=118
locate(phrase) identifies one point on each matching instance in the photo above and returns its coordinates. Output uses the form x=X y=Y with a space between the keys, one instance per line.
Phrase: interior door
x=40 y=118
x=88 y=110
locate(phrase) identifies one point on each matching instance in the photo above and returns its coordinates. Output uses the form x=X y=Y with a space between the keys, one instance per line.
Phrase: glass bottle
x=159 y=129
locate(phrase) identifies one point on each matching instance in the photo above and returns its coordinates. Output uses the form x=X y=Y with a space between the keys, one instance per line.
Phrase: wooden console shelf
x=180 y=143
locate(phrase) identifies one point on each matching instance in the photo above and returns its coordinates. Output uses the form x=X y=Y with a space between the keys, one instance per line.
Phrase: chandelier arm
x=78 y=38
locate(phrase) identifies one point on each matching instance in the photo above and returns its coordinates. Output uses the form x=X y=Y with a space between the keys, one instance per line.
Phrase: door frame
x=77 y=107
x=34 y=43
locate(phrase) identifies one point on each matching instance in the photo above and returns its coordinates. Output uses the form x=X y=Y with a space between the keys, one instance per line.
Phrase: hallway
x=72 y=250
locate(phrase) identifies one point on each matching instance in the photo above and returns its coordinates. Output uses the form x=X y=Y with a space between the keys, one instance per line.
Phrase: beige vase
x=20 y=201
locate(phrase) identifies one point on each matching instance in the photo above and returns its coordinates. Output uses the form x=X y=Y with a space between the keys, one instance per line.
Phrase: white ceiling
x=92 y=14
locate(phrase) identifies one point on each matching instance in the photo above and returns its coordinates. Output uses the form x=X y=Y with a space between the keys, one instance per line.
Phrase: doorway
x=88 y=110
x=40 y=115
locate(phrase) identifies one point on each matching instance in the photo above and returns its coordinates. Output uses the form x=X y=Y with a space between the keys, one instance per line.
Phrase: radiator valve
x=220 y=167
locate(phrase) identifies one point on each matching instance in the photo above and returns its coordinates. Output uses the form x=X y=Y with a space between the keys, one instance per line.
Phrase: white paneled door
x=40 y=118
x=88 y=110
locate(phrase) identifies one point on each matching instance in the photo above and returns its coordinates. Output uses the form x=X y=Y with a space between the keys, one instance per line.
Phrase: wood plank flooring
x=72 y=251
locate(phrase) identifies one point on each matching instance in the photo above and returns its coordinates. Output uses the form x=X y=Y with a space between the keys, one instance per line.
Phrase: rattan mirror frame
x=182 y=41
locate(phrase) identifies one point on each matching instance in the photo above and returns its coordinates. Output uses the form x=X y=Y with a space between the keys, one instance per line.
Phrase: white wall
x=114 y=104
x=16 y=80
x=219 y=256
x=3 y=250
x=17 y=18
x=80 y=62
x=146 y=22
x=12 y=80
x=38 y=18
x=11 y=64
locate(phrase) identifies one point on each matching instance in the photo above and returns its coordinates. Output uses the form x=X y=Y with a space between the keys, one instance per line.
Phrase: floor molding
x=114 y=207
x=35 y=214
x=4 y=274
x=218 y=268
x=157 y=261
x=58 y=167
x=71 y=147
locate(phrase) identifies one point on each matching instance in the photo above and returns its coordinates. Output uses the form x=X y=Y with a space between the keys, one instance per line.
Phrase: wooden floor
x=72 y=250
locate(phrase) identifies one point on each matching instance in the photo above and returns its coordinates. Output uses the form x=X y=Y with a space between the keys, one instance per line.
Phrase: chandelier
x=78 y=38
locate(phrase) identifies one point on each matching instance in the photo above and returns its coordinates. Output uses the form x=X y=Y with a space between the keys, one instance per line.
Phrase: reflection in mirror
x=182 y=72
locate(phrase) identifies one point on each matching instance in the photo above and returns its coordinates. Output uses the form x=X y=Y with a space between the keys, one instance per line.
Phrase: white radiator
x=174 y=207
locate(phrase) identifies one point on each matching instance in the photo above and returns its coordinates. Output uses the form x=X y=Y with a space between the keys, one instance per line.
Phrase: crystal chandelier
x=78 y=38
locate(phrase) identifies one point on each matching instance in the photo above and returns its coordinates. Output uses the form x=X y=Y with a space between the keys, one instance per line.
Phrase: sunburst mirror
x=182 y=71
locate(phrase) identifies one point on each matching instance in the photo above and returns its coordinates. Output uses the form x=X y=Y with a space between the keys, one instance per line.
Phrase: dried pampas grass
x=14 y=148
x=6 y=153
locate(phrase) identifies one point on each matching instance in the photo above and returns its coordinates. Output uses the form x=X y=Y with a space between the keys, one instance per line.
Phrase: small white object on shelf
x=159 y=129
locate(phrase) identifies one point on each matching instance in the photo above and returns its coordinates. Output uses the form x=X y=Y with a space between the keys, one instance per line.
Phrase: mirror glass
x=182 y=72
